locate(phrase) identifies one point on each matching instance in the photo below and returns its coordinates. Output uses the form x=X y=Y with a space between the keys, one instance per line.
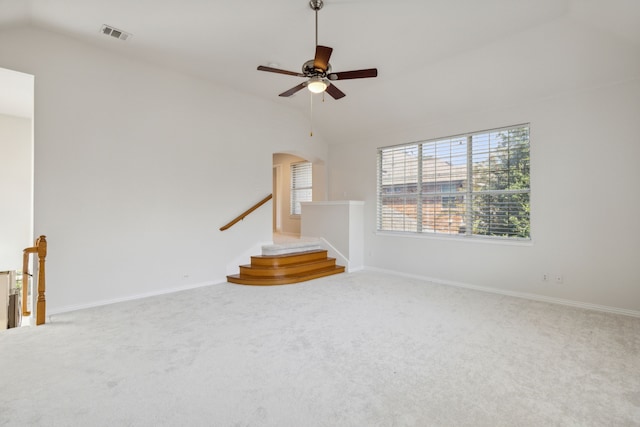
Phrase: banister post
x=41 y=307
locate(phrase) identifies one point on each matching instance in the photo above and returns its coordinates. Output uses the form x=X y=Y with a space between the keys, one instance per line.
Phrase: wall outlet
x=545 y=277
x=558 y=278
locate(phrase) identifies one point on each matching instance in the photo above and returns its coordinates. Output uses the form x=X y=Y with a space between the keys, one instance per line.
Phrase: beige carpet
x=358 y=349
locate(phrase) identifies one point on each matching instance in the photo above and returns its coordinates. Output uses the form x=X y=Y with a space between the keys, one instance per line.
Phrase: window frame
x=294 y=201
x=472 y=196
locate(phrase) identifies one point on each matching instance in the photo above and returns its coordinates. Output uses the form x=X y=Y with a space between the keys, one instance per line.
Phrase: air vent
x=116 y=33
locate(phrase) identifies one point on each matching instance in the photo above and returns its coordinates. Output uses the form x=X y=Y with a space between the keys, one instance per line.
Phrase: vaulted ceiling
x=435 y=57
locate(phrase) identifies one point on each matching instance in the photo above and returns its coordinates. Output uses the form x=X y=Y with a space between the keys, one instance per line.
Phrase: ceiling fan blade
x=294 y=89
x=321 y=61
x=335 y=92
x=279 y=71
x=357 y=74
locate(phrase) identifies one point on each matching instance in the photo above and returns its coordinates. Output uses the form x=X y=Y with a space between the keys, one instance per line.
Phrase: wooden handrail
x=40 y=248
x=247 y=212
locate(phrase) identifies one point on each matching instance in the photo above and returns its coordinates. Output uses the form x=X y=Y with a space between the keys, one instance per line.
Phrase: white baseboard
x=534 y=297
x=68 y=308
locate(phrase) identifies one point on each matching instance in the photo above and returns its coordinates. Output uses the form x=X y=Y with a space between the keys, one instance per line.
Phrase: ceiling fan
x=318 y=70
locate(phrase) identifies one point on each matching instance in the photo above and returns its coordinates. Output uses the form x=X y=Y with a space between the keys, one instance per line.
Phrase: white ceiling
x=435 y=57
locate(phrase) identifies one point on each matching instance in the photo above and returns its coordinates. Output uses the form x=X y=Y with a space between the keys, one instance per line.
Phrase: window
x=473 y=185
x=301 y=183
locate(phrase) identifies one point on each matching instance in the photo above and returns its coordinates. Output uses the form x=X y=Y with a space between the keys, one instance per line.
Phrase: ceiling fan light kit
x=316 y=85
x=317 y=71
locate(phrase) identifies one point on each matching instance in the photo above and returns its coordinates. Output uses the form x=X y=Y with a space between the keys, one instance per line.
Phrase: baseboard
x=69 y=308
x=534 y=297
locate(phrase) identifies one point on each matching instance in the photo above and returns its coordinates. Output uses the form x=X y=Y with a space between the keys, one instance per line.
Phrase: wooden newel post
x=41 y=307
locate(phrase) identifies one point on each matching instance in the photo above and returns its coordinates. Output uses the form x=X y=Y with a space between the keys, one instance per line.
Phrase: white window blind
x=301 y=185
x=475 y=184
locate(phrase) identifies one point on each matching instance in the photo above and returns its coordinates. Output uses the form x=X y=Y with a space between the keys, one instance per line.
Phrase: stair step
x=286 y=269
x=284 y=280
x=280 y=260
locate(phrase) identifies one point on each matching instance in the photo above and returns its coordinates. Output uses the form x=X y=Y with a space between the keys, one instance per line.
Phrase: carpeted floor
x=358 y=349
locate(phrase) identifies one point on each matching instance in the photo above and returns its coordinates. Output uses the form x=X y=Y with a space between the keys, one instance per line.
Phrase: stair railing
x=245 y=213
x=40 y=248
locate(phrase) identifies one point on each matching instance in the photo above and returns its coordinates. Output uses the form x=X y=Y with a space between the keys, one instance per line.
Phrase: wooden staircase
x=266 y=270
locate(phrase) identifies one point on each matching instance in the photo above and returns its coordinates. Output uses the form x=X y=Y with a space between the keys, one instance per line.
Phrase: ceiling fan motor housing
x=309 y=70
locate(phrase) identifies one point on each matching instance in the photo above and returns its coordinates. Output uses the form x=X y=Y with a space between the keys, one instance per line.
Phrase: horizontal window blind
x=472 y=184
x=301 y=185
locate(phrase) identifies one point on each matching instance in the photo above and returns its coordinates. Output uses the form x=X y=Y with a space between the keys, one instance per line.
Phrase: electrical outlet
x=559 y=278
x=545 y=277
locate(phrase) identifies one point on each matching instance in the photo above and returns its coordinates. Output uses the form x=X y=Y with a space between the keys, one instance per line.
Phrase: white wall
x=136 y=168
x=16 y=184
x=585 y=202
x=340 y=223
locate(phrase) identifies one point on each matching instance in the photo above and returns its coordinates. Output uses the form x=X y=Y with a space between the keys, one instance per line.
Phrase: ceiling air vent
x=116 y=33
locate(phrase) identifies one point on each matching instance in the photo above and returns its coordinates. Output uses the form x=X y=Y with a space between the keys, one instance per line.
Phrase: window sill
x=456 y=238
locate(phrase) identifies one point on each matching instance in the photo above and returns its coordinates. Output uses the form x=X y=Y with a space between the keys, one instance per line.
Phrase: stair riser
x=282 y=260
x=255 y=281
x=246 y=270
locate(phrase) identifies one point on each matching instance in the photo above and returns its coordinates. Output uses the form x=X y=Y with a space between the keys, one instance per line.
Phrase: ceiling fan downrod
x=316 y=5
